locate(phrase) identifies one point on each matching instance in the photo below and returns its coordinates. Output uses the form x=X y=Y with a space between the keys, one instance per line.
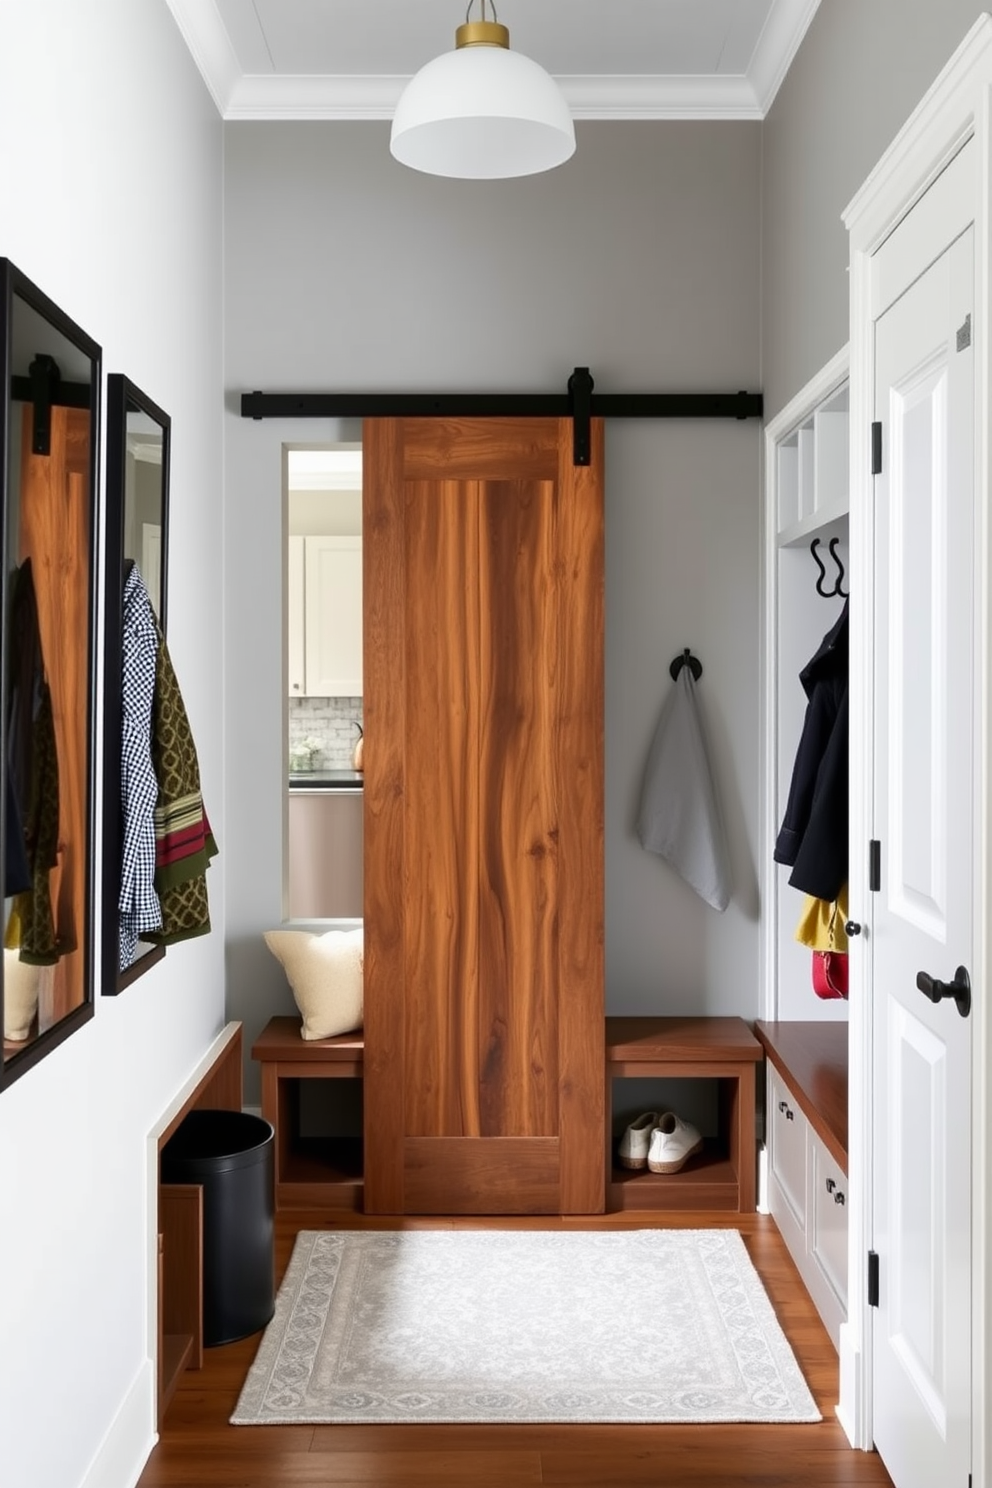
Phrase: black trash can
x=232 y=1155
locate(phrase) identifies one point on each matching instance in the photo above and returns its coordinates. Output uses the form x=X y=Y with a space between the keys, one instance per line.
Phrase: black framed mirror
x=137 y=546
x=49 y=445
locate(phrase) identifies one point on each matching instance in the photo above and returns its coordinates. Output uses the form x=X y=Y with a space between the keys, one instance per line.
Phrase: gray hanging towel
x=679 y=815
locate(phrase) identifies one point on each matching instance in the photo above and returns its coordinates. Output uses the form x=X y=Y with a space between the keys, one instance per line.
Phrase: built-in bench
x=310 y=1172
x=806 y=1134
x=326 y=1172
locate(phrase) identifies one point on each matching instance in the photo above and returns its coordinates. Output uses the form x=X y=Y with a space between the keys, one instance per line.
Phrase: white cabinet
x=806 y=501
x=324 y=617
x=812 y=469
x=807 y=1193
x=296 y=675
x=333 y=616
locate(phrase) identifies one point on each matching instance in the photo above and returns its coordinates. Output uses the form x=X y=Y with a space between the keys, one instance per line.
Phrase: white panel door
x=923 y=787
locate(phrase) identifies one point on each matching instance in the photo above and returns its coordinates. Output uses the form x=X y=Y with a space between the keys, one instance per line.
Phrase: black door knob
x=852 y=927
x=959 y=989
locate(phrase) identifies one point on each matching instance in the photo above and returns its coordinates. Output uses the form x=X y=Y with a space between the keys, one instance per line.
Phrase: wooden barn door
x=484 y=1008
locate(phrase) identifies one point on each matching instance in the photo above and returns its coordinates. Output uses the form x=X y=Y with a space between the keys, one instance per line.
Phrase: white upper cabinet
x=333 y=616
x=812 y=475
x=296 y=675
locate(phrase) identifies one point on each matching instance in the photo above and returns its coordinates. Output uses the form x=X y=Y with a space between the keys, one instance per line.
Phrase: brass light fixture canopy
x=482 y=112
x=482 y=33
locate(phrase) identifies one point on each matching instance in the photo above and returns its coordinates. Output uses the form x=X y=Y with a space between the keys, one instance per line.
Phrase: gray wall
x=861 y=70
x=640 y=258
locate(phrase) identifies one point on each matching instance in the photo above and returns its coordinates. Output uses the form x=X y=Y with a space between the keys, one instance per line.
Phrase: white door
x=924 y=788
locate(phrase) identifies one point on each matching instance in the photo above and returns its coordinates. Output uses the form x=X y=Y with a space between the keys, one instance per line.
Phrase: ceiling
x=614 y=59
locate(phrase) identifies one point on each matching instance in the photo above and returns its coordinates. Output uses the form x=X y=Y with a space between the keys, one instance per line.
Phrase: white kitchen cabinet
x=296 y=674
x=333 y=616
x=324 y=617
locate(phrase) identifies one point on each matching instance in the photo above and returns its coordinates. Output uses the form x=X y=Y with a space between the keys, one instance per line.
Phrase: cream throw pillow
x=326 y=974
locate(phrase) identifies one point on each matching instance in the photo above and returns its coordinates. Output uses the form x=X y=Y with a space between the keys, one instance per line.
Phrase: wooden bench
x=317 y=1172
x=722 y=1177
x=327 y=1172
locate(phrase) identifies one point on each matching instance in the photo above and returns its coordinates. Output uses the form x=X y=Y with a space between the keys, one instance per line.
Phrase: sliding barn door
x=484 y=1014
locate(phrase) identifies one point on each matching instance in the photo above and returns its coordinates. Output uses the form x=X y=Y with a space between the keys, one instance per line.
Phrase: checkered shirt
x=139 y=906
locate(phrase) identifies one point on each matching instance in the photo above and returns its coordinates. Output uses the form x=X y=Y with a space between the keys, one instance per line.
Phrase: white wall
x=639 y=258
x=111 y=204
x=862 y=68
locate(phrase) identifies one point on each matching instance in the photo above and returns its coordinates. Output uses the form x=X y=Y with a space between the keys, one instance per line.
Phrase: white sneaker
x=636 y=1139
x=673 y=1142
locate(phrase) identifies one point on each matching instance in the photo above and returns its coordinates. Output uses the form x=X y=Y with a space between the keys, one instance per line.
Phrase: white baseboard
x=761 y=1203
x=125 y=1449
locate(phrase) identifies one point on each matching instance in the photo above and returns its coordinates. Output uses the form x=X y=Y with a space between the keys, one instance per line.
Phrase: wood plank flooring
x=198 y=1448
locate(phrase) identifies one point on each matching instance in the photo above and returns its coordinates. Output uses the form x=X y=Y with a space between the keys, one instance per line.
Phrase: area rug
x=517 y=1326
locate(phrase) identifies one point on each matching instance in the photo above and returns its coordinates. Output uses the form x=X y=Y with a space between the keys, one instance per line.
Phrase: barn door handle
x=959 y=989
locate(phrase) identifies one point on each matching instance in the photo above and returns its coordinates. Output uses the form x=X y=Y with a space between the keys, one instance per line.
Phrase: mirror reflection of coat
x=33 y=774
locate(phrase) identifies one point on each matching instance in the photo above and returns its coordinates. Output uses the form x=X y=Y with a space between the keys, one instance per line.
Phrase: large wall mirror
x=138 y=434
x=49 y=442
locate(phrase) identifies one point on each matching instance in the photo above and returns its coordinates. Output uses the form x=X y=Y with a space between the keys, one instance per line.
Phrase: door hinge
x=964 y=334
x=874 y=865
x=872 y=1278
x=876 y=448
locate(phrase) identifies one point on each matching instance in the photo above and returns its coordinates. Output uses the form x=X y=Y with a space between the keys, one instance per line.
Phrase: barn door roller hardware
x=580 y=403
x=44 y=389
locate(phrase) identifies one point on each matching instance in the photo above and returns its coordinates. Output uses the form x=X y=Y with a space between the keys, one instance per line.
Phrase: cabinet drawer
x=787 y=1132
x=828 y=1228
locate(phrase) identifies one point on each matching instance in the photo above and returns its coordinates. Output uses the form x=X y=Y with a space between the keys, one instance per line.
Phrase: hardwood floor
x=198 y=1449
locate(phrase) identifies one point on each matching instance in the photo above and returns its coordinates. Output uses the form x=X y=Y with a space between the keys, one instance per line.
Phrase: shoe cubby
x=722 y=1050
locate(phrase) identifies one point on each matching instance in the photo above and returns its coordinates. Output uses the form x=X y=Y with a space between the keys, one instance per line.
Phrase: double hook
x=820 y=583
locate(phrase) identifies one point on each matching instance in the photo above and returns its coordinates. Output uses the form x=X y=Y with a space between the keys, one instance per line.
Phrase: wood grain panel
x=812 y=1059
x=383 y=588
x=55 y=535
x=180 y=1222
x=679 y=1040
x=580 y=705
x=519 y=764
x=442 y=809
x=482 y=1175
x=481 y=449
x=483 y=631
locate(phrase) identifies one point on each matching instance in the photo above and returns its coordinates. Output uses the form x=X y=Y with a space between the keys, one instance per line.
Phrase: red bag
x=830 y=974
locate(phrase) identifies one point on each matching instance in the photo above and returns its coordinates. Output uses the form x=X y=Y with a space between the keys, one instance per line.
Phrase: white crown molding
x=342 y=97
x=206 y=37
x=677 y=96
x=351 y=97
x=787 y=24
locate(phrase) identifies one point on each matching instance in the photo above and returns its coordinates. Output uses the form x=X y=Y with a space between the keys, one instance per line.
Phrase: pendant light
x=482 y=112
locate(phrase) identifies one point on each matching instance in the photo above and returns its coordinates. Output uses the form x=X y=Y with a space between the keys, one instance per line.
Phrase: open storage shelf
x=722 y=1176
x=323 y=1172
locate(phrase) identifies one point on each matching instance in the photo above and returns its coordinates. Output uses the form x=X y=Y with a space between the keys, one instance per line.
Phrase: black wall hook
x=686 y=659
x=838 y=588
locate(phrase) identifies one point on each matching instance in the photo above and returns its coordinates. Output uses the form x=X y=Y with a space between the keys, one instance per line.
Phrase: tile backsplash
x=331 y=723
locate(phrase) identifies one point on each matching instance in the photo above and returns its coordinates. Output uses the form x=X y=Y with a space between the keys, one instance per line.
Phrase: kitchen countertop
x=325 y=780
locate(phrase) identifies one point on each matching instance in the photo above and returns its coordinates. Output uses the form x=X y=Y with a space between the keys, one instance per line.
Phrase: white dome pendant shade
x=482 y=112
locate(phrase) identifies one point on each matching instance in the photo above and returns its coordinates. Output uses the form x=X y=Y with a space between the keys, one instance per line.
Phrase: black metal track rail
x=579 y=403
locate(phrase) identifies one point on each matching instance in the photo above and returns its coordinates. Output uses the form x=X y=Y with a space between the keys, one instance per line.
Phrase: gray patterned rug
x=537 y=1325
